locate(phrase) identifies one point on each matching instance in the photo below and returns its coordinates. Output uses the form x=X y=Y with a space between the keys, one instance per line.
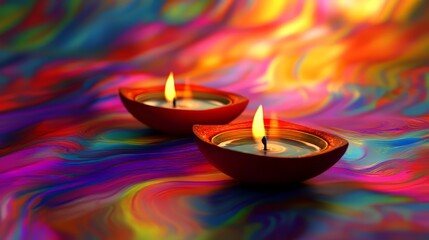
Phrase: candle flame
x=170 y=90
x=258 y=127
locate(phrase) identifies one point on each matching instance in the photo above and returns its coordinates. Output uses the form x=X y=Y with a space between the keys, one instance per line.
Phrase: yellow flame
x=170 y=90
x=258 y=128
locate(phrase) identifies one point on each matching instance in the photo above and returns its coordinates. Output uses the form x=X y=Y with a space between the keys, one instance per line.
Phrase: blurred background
x=76 y=164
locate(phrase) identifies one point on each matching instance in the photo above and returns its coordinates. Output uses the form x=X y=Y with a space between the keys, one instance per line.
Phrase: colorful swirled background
x=75 y=165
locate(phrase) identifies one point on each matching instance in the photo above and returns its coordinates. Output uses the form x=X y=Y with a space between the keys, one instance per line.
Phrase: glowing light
x=258 y=128
x=170 y=90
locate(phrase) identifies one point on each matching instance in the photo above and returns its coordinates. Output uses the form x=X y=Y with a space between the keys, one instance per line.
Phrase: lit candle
x=280 y=143
x=269 y=152
x=176 y=108
x=183 y=99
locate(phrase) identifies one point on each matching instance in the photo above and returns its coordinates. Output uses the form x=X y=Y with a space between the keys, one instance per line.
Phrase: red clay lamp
x=269 y=151
x=175 y=108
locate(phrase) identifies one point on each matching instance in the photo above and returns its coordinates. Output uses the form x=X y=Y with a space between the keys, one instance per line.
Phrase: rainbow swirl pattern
x=76 y=165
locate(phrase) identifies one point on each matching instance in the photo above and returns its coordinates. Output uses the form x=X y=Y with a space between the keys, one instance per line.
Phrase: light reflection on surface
x=75 y=164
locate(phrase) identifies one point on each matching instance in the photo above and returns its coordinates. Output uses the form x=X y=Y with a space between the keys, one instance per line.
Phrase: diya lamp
x=265 y=153
x=176 y=108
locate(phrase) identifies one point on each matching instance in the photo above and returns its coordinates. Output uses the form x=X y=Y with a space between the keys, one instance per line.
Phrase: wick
x=174 y=102
x=264 y=141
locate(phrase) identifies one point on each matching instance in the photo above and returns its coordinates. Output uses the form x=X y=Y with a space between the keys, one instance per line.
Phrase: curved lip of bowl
x=132 y=93
x=206 y=133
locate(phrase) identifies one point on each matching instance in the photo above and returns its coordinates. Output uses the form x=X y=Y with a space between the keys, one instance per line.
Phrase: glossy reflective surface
x=198 y=101
x=75 y=165
x=281 y=142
